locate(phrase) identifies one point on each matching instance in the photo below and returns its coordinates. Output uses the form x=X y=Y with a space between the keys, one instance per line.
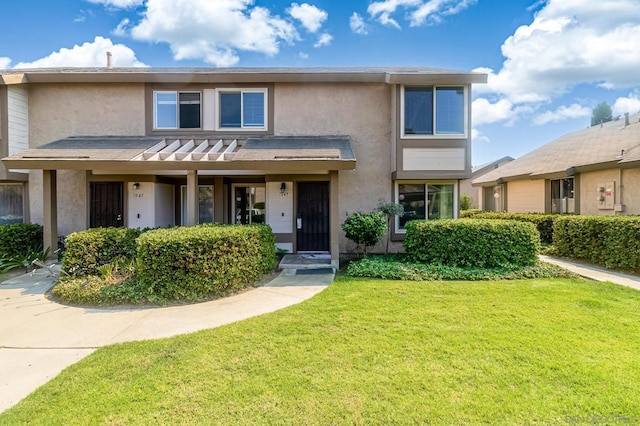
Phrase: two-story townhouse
x=297 y=148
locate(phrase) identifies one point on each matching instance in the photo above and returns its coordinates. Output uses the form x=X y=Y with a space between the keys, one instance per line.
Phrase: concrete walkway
x=594 y=272
x=39 y=338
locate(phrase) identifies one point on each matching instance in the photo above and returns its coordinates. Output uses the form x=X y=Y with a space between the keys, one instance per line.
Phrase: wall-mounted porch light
x=136 y=185
x=283 y=188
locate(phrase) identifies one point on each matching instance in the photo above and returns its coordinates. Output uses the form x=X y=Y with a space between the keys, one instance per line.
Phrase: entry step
x=306 y=261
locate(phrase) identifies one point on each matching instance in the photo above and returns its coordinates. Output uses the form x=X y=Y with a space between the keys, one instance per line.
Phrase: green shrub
x=19 y=239
x=479 y=243
x=191 y=263
x=543 y=222
x=466 y=202
x=88 y=250
x=399 y=267
x=365 y=228
x=610 y=241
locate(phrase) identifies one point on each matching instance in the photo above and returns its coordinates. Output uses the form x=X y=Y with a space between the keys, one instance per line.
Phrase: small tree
x=601 y=114
x=390 y=211
x=465 y=202
x=364 y=228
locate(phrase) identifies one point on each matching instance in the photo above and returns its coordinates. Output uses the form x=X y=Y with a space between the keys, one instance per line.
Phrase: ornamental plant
x=364 y=228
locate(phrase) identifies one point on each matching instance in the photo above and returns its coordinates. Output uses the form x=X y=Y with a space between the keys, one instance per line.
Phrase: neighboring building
x=476 y=193
x=295 y=148
x=594 y=171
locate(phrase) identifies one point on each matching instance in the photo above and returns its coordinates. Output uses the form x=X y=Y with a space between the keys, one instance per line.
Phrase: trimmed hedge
x=19 y=239
x=190 y=263
x=473 y=243
x=543 y=222
x=87 y=250
x=610 y=241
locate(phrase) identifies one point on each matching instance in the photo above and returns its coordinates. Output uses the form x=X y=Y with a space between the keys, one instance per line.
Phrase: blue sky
x=549 y=62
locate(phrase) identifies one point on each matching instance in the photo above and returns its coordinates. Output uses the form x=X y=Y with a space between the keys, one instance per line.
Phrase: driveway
x=39 y=338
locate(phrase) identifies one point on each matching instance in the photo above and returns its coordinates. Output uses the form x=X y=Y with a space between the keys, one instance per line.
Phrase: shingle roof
x=597 y=146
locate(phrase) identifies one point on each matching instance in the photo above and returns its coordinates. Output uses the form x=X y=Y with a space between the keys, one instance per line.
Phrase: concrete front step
x=306 y=261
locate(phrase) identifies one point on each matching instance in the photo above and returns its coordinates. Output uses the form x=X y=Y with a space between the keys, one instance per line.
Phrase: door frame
x=122 y=200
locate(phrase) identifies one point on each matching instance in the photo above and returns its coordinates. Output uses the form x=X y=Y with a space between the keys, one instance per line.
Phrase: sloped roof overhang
x=136 y=153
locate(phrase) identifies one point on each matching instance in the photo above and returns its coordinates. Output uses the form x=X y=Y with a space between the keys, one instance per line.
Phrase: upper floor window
x=176 y=110
x=242 y=109
x=433 y=110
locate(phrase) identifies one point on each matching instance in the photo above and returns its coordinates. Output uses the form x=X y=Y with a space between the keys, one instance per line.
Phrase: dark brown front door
x=312 y=221
x=106 y=204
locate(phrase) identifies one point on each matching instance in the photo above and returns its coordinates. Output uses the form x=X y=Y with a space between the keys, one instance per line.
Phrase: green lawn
x=376 y=352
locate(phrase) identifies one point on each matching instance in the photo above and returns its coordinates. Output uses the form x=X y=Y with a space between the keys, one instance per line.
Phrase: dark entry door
x=106 y=204
x=312 y=221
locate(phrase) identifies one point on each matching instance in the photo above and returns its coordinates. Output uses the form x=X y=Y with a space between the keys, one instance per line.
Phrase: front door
x=312 y=220
x=106 y=204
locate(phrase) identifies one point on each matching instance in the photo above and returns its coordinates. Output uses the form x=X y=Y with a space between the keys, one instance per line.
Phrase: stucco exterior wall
x=626 y=183
x=72 y=200
x=361 y=111
x=60 y=110
x=525 y=196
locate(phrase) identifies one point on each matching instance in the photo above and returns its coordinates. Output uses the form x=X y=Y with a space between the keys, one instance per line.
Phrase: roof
x=612 y=144
x=135 y=153
x=389 y=75
x=486 y=167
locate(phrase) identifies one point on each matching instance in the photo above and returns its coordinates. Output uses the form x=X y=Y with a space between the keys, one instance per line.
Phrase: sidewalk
x=39 y=338
x=595 y=272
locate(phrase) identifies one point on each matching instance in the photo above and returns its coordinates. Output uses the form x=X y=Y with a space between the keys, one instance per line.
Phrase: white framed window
x=430 y=200
x=433 y=111
x=11 y=203
x=562 y=196
x=242 y=109
x=177 y=110
x=249 y=203
x=205 y=204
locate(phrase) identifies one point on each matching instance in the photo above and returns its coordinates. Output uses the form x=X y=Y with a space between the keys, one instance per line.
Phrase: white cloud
x=630 y=104
x=309 y=16
x=118 y=4
x=356 y=23
x=89 y=54
x=4 y=62
x=213 y=31
x=303 y=55
x=419 y=12
x=569 y=43
x=485 y=112
x=477 y=136
x=323 y=40
x=562 y=113
x=123 y=28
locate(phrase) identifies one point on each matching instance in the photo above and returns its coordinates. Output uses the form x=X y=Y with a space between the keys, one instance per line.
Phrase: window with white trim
x=433 y=111
x=11 y=203
x=205 y=204
x=244 y=109
x=176 y=110
x=425 y=200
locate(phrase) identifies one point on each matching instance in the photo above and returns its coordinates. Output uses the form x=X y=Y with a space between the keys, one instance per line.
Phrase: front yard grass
x=369 y=351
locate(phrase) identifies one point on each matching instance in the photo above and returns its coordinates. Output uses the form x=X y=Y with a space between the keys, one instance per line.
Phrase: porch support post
x=218 y=200
x=50 y=209
x=192 y=197
x=334 y=218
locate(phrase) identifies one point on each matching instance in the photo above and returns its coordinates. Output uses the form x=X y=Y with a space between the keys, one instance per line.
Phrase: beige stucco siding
x=361 y=111
x=525 y=196
x=60 y=110
x=627 y=182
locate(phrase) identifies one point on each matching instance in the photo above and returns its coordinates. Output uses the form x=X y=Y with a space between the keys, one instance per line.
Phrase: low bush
x=610 y=241
x=473 y=243
x=399 y=267
x=192 y=263
x=86 y=251
x=19 y=239
x=543 y=222
x=365 y=228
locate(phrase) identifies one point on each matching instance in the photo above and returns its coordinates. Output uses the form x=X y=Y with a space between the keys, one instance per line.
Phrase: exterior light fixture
x=283 y=188
x=136 y=185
